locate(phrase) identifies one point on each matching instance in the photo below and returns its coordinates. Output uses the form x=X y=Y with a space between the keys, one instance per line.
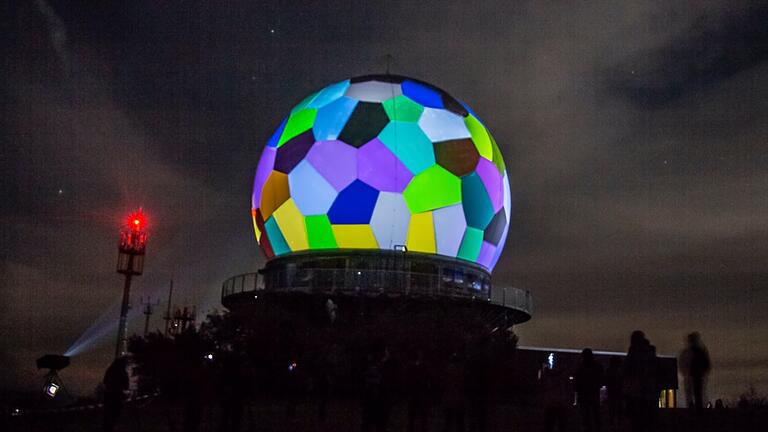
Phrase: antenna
x=130 y=262
x=149 y=309
x=168 y=317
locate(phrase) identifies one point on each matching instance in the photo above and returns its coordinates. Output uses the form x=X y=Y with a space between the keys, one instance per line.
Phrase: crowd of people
x=453 y=389
x=631 y=386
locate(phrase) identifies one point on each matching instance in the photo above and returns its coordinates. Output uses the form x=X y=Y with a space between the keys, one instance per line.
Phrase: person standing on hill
x=695 y=366
x=115 y=385
x=615 y=395
x=589 y=379
x=556 y=397
x=638 y=376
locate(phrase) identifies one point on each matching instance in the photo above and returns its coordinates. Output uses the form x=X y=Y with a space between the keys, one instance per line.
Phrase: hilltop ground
x=155 y=415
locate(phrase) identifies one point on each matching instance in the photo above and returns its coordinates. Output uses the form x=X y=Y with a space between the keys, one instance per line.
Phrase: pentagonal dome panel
x=480 y=137
x=274 y=193
x=277 y=242
x=319 y=232
x=291 y=223
x=442 y=125
x=292 y=152
x=335 y=161
x=457 y=156
x=373 y=91
x=422 y=94
x=495 y=229
x=390 y=220
x=355 y=236
x=311 y=192
x=403 y=109
x=432 y=189
x=408 y=142
x=421 y=233
x=354 y=205
x=367 y=120
x=449 y=229
x=380 y=168
x=478 y=208
x=471 y=244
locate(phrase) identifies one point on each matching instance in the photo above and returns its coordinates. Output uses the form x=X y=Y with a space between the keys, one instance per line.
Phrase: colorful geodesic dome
x=377 y=162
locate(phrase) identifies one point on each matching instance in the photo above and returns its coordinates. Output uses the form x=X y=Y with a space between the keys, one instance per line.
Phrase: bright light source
x=551 y=360
x=137 y=220
x=51 y=389
x=401 y=248
x=208 y=357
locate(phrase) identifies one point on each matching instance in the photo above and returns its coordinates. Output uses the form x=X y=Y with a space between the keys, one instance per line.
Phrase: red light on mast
x=133 y=237
x=137 y=221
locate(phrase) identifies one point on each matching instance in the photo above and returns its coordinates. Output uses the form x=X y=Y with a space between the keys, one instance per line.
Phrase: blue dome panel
x=354 y=205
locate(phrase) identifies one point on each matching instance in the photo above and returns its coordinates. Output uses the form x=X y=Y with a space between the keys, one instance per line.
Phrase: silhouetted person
x=453 y=394
x=652 y=389
x=556 y=397
x=615 y=393
x=115 y=385
x=419 y=390
x=695 y=365
x=588 y=380
x=639 y=380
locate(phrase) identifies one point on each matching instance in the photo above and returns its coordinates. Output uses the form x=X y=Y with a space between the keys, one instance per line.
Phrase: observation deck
x=377 y=274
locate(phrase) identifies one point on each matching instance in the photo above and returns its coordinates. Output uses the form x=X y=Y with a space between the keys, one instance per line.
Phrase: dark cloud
x=712 y=50
x=640 y=199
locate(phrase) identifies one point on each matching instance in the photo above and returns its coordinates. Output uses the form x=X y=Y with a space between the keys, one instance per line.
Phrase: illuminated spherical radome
x=380 y=162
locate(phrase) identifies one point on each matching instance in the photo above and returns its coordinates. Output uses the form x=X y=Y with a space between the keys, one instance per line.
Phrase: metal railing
x=379 y=282
x=242 y=283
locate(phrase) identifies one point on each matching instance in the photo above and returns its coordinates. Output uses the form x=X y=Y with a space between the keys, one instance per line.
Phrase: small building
x=529 y=360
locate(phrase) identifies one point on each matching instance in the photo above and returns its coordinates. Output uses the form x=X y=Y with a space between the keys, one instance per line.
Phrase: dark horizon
x=634 y=136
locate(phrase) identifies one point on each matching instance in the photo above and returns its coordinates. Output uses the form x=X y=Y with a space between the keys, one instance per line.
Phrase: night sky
x=634 y=134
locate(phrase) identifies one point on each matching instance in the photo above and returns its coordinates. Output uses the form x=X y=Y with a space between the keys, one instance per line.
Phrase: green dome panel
x=403 y=109
x=432 y=189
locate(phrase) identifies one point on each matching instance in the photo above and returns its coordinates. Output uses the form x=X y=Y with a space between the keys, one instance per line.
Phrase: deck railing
x=378 y=282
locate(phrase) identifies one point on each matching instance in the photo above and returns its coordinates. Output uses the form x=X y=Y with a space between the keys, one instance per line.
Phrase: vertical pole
x=168 y=311
x=122 y=331
x=147 y=313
